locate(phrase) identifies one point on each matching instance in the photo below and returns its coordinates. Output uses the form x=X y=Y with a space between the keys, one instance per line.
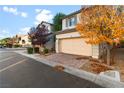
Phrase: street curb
x=97 y=79
x=16 y=48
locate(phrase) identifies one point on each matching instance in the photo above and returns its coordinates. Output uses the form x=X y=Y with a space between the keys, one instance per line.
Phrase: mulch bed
x=95 y=67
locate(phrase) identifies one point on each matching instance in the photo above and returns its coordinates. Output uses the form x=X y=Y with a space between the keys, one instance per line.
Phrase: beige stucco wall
x=63 y=24
x=72 y=43
x=95 y=51
x=27 y=43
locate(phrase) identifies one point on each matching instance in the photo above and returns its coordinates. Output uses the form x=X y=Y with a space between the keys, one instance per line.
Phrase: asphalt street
x=17 y=71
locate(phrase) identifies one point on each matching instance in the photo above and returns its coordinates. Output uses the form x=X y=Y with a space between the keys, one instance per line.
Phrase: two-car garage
x=70 y=42
x=75 y=46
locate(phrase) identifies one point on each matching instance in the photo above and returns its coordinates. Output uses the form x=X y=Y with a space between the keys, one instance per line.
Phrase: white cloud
x=37 y=10
x=43 y=15
x=14 y=11
x=11 y=10
x=7 y=33
x=4 y=33
x=23 y=14
x=24 y=30
x=6 y=9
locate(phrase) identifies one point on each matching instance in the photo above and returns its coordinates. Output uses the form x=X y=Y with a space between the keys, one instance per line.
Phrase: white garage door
x=75 y=46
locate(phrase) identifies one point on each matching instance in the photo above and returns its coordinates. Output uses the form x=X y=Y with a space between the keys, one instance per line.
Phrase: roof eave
x=65 y=31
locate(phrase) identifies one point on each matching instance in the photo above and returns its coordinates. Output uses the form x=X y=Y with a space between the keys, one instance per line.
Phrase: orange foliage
x=101 y=24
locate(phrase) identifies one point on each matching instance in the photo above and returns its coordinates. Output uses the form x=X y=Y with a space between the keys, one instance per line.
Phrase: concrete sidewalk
x=98 y=79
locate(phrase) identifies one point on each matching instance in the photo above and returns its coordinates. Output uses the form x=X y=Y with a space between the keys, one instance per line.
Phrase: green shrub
x=45 y=51
x=122 y=44
x=16 y=46
x=122 y=41
x=36 y=49
x=30 y=50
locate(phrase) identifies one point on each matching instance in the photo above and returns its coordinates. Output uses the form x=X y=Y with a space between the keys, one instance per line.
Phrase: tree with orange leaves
x=102 y=25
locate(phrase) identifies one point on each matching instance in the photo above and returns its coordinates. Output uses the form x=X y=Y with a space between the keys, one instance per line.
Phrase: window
x=23 y=41
x=71 y=21
x=19 y=38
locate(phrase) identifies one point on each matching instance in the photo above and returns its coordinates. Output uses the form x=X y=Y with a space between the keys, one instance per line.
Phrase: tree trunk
x=108 y=54
x=41 y=48
x=113 y=55
x=103 y=53
x=33 y=49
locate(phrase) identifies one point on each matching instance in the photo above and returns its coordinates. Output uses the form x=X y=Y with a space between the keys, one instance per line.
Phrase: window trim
x=69 y=22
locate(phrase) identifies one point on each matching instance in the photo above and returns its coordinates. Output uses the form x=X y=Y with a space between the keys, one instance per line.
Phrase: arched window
x=23 y=41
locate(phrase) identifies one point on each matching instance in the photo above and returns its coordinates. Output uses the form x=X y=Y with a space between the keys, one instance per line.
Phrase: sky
x=18 y=19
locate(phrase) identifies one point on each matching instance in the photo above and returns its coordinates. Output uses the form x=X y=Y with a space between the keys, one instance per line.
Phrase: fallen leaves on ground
x=59 y=68
x=97 y=67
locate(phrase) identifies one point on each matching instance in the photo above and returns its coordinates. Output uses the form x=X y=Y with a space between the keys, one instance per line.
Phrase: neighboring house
x=69 y=41
x=50 y=44
x=22 y=40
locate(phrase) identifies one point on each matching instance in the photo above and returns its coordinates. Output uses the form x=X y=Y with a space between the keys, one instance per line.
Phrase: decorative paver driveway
x=66 y=59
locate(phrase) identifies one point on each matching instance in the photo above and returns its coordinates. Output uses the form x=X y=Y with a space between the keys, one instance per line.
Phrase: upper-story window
x=71 y=21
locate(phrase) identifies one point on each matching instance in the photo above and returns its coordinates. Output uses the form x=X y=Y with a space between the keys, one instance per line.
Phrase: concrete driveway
x=22 y=72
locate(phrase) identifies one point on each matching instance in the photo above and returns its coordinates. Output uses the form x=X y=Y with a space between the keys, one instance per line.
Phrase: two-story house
x=69 y=41
x=22 y=40
x=50 y=44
